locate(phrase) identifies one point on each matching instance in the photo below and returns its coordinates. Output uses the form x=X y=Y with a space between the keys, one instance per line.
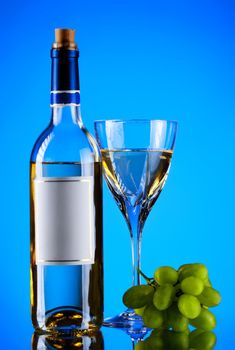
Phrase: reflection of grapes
x=173 y=299
x=170 y=340
x=204 y=341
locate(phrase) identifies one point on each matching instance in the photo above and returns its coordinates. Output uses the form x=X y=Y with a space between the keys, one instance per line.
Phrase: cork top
x=64 y=38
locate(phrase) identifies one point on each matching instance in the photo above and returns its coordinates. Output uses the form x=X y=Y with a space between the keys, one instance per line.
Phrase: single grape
x=197 y=270
x=152 y=317
x=163 y=297
x=203 y=341
x=139 y=311
x=183 y=267
x=210 y=297
x=192 y=285
x=138 y=296
x=189 y=306
x=166 y=275
x=206 y=320
x=176 y=320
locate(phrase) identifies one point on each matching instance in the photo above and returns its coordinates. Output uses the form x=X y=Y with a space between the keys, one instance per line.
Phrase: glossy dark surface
x=22 y=337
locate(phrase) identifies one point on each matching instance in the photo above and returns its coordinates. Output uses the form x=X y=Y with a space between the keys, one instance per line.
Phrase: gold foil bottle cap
x=64 y=38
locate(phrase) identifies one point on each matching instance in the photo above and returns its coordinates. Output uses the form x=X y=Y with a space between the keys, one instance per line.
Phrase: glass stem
x=134 y=342
x=136 y=235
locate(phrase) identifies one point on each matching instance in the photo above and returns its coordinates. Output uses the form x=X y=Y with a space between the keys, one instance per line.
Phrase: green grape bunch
x=174 y=300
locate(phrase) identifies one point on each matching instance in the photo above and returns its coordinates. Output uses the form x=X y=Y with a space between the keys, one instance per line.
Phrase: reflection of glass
x=136 y=156
x=49 y=342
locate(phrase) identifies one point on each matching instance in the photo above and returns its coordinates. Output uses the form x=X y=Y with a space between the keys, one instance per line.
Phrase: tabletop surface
x=23 y=338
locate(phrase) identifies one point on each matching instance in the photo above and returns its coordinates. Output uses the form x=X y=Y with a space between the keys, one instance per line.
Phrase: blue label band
x=65 y=97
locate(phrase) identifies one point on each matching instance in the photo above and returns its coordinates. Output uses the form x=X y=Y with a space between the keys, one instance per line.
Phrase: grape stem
x=150 y=281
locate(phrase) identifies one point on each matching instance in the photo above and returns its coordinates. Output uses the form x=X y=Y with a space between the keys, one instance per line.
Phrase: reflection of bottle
x=46 y=342
x=66 y=208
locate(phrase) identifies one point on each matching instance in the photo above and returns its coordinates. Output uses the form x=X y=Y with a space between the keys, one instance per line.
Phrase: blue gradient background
x=155 y=59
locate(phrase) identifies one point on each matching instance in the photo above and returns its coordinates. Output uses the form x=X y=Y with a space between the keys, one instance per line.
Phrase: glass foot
x=129 y=321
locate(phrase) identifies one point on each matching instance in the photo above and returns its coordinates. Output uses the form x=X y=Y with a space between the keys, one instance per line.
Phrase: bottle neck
x=65 y=90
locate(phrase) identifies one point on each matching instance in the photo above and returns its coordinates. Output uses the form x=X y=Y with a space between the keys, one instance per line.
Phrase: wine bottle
x=66 y=276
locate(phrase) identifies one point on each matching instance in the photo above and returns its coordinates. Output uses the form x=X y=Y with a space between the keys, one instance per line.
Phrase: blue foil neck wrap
x=65 y=77
x=70 y=97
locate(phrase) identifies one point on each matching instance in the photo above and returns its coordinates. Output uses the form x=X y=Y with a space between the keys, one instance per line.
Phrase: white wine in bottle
x=66 y=277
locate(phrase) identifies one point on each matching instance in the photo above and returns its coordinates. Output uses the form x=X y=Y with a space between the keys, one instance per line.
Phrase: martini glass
x=136 y=157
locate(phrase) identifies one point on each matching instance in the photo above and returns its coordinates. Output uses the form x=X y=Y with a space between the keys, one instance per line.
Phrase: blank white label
x=64 y=220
